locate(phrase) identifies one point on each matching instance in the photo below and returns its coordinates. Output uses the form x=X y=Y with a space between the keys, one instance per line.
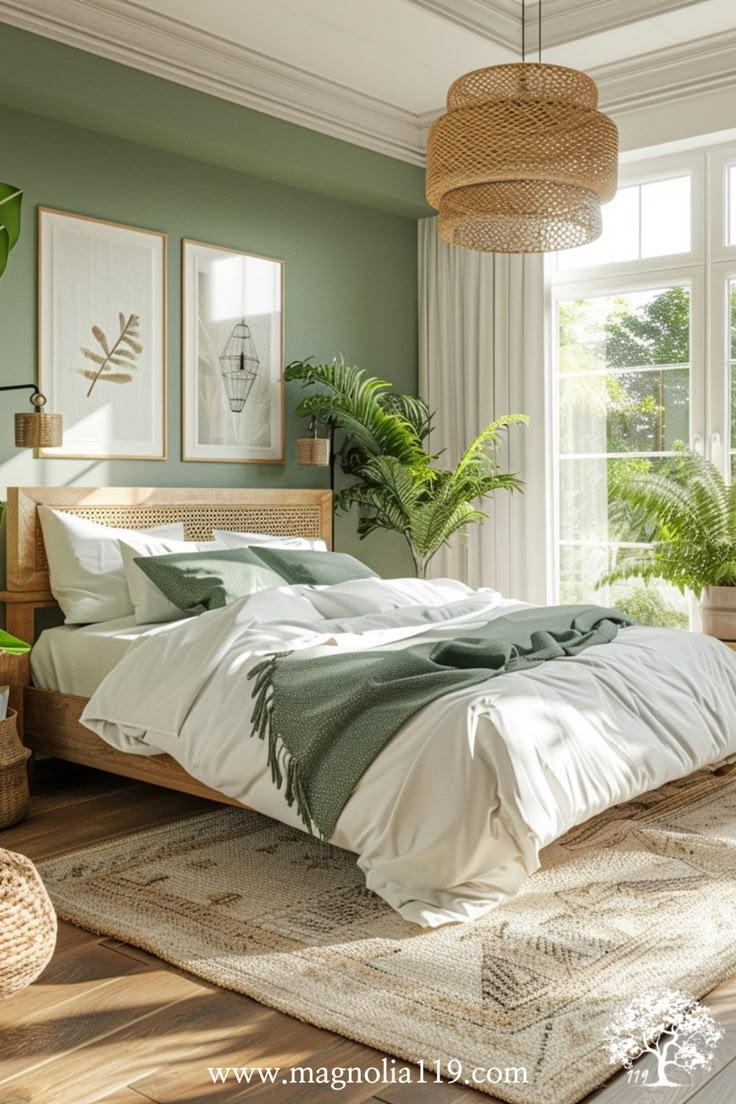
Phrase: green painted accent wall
x=72 y=86
x=350 y=281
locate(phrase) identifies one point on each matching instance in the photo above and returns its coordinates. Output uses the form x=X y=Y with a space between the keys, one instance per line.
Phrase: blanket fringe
x=280 y=759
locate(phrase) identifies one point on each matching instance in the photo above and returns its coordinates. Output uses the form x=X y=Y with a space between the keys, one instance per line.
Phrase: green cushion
x=313 y=568
x=199 y=581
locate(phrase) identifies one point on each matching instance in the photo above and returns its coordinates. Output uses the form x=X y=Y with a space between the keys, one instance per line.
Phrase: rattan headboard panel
x=283 y=513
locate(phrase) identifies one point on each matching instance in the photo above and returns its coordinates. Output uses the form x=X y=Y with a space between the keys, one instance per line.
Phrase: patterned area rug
x=641 y=898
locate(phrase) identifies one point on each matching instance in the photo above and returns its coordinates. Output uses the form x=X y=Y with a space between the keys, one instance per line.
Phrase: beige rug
x=641 y=898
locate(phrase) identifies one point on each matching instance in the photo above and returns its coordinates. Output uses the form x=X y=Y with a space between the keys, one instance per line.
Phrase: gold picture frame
x=102 y=335
x=233 y=390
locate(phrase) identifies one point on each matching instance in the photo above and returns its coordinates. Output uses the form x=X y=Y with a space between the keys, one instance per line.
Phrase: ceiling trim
x=568 y=20
x=702 y=65
x=498 y=21
x=124 y=32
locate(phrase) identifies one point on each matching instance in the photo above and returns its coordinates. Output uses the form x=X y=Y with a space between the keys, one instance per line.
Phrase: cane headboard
x=281 y=512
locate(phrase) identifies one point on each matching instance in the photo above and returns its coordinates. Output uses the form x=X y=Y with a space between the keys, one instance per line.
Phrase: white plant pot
x=718 y=608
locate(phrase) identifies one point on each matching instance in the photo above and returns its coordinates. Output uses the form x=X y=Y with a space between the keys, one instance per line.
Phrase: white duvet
x=449 y=820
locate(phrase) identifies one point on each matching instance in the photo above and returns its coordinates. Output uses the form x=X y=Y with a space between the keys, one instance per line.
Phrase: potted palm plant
x=397 y=483
x=684 y=516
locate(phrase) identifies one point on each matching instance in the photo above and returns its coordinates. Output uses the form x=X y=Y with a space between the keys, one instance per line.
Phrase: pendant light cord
x=539 y=31
x=523 y=30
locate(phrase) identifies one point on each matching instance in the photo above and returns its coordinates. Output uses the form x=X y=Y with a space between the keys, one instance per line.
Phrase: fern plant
x=687 y=515
x=398 y=484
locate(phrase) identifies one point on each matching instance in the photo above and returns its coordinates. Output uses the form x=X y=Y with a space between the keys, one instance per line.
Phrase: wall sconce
x=38 y=429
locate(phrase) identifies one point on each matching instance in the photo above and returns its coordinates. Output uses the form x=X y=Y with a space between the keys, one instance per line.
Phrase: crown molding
x=568 y=20
x=126 y=32
x=675 y=72
x=123 y=31
x=498 y=21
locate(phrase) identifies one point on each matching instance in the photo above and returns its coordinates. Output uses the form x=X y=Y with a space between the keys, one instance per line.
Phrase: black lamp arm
x=37 y=398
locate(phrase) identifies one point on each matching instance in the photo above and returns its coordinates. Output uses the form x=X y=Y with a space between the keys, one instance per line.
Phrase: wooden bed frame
x=49 y=721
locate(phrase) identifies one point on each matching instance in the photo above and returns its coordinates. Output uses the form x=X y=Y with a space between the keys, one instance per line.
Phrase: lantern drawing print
x=232 y=386
x=240 y=364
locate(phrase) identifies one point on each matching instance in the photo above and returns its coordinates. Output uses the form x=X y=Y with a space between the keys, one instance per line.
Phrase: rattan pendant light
x=522 y=161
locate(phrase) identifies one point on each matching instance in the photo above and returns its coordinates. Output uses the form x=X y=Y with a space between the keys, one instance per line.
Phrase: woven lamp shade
x=38 y=430
x=313 y=451
x=522 y=160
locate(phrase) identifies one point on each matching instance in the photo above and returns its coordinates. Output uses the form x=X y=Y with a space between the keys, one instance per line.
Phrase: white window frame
x=649 y=172
x=691 y=277
x=707 y=268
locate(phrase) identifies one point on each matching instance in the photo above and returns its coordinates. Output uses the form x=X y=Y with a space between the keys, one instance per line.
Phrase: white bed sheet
x=74 y=659
x=449 y=819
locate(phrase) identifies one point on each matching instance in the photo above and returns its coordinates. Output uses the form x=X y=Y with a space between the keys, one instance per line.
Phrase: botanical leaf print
x=123 y=353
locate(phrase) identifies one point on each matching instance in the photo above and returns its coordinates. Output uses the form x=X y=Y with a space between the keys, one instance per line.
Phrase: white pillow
x=86 y=568
x=242 y=540
x=150 y=605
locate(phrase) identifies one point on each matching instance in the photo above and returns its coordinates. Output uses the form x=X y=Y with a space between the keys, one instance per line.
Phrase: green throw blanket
x=326 y=719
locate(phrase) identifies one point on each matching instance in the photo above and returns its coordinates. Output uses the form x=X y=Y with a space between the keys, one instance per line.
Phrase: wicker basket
x=14 y=795
x=27 y=923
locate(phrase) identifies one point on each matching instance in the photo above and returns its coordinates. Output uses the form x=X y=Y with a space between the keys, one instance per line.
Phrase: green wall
x=350 y=268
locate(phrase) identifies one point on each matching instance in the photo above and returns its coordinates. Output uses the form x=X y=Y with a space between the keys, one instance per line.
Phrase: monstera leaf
x=10 y=202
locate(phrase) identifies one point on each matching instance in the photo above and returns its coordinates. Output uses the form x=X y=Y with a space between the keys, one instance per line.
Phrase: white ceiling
x=375 y=72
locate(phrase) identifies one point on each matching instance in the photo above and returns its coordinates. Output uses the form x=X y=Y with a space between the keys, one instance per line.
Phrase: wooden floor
x=109 y=1022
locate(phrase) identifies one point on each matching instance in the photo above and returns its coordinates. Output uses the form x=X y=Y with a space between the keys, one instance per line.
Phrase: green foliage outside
x=645 y=411
x=646 y=606
x=398 y=485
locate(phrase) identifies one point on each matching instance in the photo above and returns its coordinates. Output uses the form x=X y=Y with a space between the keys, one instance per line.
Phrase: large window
x=644 y=362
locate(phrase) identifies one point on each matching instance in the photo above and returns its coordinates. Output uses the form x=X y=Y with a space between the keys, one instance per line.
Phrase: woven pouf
x=27 y=923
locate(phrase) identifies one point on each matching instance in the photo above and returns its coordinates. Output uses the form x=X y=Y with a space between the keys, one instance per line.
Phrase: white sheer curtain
x=481 y=354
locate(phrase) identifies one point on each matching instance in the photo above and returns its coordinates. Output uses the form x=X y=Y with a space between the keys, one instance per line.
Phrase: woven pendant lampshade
x=522 y=160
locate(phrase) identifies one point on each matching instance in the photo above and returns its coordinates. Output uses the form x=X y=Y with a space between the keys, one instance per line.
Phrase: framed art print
x=233 y=356
x=102 y=335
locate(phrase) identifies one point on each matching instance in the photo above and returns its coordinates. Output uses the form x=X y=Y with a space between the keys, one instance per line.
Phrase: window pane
x=589 y=507
x=624 y=387
x=654 y=603
x=665 y=217
x=638 y=411
x=732 y=332
x=620 y=238
x=631 y=330
x=732 y=205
